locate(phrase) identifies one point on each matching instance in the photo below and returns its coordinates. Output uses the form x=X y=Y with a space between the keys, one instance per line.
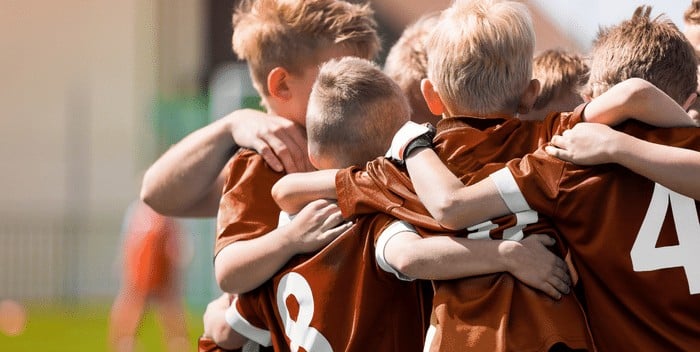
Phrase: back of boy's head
x=480 y=55
x=651 y=49
x=561 y=74
x=354 y=111
x=407 y=62
x=291 y=33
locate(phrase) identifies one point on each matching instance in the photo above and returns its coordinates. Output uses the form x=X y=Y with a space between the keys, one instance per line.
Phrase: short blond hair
x=354 y=111
x=291 y=33
x=560 y=73
x=651 y=49
x=692 y=13
x=407 y=61
x=480 y=55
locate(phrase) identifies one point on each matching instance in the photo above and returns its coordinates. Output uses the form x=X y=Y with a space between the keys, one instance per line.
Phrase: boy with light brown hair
x=284 y=43
x=407 y=64
x=561 y=75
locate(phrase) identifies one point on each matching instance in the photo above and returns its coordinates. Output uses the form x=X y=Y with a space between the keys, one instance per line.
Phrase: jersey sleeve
x=384 y=237
x=533 y=181
x=243 y=317
x=247 y=209
x=382 y=187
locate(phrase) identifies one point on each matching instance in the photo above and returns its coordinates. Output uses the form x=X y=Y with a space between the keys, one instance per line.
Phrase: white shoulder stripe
x=392 y=230
x=237 y=322
x=509 y=190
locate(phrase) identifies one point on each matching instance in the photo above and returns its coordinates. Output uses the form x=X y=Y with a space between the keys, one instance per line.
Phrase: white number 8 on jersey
x=299 y=332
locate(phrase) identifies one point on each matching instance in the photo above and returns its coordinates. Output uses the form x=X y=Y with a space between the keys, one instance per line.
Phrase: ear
x=277 y=84
x=690 y=101
x=432 y=98
x=529 y=96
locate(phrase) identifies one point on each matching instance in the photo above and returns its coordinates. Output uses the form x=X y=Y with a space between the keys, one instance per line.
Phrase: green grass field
x=61 y=327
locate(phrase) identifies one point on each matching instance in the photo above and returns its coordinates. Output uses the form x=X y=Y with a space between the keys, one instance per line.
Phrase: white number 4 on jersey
x=647 y=257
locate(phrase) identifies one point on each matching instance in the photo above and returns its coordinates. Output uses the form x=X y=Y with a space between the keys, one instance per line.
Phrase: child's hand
x=215 y=326
x=533 y=264
x=585 y=144
x=281 y=142
x=316 y=225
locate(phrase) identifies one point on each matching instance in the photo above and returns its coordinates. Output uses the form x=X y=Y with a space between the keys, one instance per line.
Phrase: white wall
x=78 y=84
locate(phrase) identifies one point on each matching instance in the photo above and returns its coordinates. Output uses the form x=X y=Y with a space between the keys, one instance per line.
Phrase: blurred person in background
x=151 y=271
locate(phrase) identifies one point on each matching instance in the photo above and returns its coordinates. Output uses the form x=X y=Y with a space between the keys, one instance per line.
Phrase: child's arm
x=592 y=144
x=454 y=205
x=245 y=265
x=293 y=191
x=217 y=329
x=445 y=258
x=637 y=99
x=188 y=178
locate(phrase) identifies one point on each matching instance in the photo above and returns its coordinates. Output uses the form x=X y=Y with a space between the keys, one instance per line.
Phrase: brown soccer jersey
x=489 y=312
x=337 y=299
x=247 y=209
x=634 y=242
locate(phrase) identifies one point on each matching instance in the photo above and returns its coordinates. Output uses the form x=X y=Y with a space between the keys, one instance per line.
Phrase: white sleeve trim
x=284 y=219
x=237 y=322
x=509 y=190
x=392 y=230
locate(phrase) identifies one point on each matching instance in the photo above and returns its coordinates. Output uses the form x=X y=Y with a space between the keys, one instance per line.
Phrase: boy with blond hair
x=284 y=43
x=561 y=75
x=407 y=64
x=635 y=261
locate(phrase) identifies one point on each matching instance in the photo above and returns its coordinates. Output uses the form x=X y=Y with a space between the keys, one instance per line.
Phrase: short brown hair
x=407 y=61
x=692 y=13
x=354 y=111
x=560 y=73
x=651 y=49
x=290 y=33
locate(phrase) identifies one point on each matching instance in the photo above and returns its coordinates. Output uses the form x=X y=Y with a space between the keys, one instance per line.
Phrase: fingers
x=558 y=153
x=550 y=291
x=544 y=239
x=270 y=157
x=289 y=144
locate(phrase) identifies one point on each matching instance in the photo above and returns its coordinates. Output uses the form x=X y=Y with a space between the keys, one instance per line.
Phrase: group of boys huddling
x=496 y=241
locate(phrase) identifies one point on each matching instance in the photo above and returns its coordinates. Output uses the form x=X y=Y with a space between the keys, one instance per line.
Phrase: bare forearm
x=294 y=191
x=445 y=258
x=245 y=265
x=670 y=166
x=184 y=181
x=449 y=201
x=637 y=99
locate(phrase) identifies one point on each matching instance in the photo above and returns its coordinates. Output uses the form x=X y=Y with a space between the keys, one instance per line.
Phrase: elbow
x=638 y=90
x=228 y=281
x=405 y=263
x=284 y=197
x=279 y=194
x=149 y=194
x=444 y=211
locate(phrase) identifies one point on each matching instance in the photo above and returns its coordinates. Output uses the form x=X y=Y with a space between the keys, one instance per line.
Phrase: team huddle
x=549 y=209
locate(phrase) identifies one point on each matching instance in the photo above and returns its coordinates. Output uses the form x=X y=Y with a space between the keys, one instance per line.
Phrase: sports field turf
x=83 y=327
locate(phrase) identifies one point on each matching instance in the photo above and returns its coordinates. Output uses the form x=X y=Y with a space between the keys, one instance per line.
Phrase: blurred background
x=92 y=92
